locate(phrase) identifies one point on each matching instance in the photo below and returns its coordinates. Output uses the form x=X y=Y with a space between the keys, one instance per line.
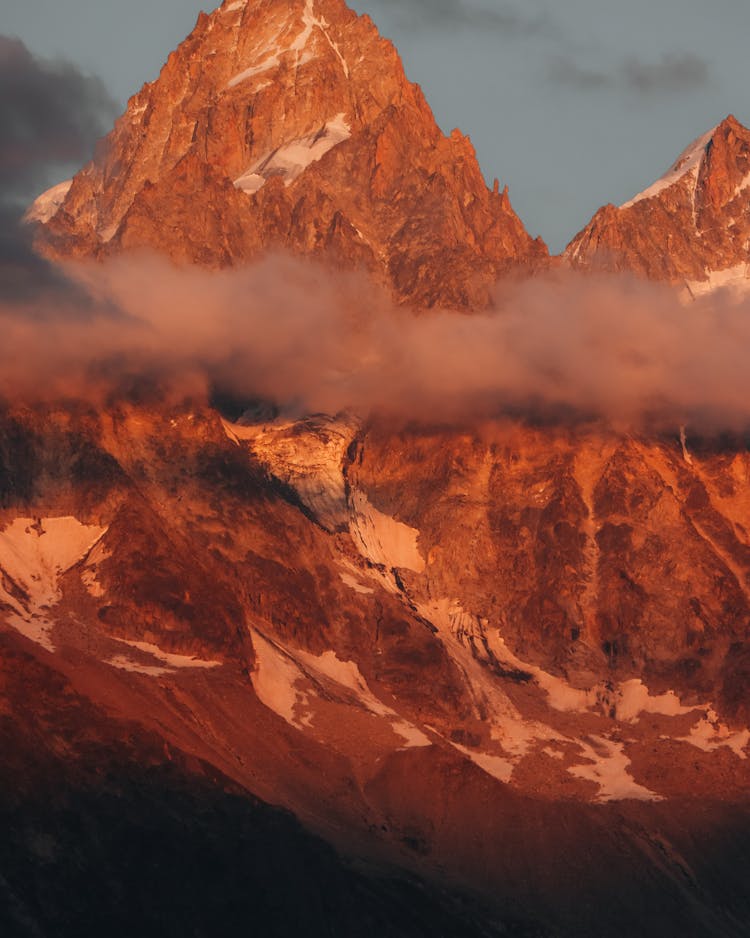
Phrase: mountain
x=346 y=673
x=692 y=226
x=296 y=123
x=503 y=674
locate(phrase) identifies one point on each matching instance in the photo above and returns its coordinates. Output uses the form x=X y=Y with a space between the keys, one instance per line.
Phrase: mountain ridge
x=347 y=165
x=303 y=134
x=689 y=228
x=506 y=656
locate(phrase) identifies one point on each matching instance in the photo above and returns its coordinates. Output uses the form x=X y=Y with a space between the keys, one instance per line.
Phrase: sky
x=571 y=103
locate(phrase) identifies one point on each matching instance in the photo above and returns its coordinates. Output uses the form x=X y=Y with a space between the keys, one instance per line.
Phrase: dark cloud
x=684 y=72
x=569 y=72
x=608 y=347
x=674 y=73
x=51 y=116
x=469 y=14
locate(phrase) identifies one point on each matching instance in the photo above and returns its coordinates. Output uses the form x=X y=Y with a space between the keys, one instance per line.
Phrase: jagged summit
x=691 y=226
x=292 y=125
x=501 y=666
x=687 y=165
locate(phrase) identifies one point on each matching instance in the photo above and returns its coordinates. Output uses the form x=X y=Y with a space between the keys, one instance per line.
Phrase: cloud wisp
x=612 y=348
x=673 y=73
x=501 y=18
x=685 y=72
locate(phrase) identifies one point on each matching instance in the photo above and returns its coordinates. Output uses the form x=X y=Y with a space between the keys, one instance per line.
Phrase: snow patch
x=514 y=734
x=735 y=279
x=381 y=539
x=496 y=766
x=560 y=695
x=608 y=768
x=345 y=673
x=271 y=62
x=92 y=584
x=626 y=700
x=250 y=182
x=382 y=578
x=279 y=46
x=89 y=576
x=34 y=554
x=123 y=663
x=744 y=184
x=307 y=455
x=710 y=734
x=413 y=737
x=606 y=763
x=354 y=584
x=169 y=658
x=348 y=675
x=274 y=681
x=688 y=163
x=310 y=21
x=36 y=628
x=632 y=698
x=279 y=671
x=106 y=234
x=45 y=206
x=291 y=159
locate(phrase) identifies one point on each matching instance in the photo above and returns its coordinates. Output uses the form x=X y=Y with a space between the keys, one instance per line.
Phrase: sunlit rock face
x=691 y=227
x=498 y=668
x=292 y=126
x=422 y=643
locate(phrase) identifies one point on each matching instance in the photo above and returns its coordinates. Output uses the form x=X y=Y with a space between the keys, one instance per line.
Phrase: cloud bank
x=609 y=347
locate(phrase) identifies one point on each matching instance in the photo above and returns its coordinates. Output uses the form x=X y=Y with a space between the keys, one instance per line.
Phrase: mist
x=562 y=345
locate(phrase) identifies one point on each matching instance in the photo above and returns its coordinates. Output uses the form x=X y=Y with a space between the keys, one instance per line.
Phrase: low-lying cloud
x=606 y=347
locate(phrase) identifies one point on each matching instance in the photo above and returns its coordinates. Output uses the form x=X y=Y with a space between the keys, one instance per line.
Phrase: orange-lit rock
x=691 y=227
x=292 y=126
x=465 y=655
x=511 y=658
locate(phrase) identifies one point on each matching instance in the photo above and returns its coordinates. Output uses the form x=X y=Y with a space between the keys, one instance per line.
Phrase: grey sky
x=573 y=103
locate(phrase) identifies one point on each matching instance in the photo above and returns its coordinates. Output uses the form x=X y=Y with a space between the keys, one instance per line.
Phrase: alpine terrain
x=690 y=227
x=272 y=672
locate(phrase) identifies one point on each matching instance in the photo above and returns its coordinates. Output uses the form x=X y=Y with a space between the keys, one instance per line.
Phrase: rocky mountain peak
x=297 y=127
x=455 y=653
x=691 y=226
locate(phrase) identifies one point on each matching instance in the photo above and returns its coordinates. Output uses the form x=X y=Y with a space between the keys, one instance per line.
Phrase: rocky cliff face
x=424 y=644
x=501 y=668
x=297 y=126
x=690 y=227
